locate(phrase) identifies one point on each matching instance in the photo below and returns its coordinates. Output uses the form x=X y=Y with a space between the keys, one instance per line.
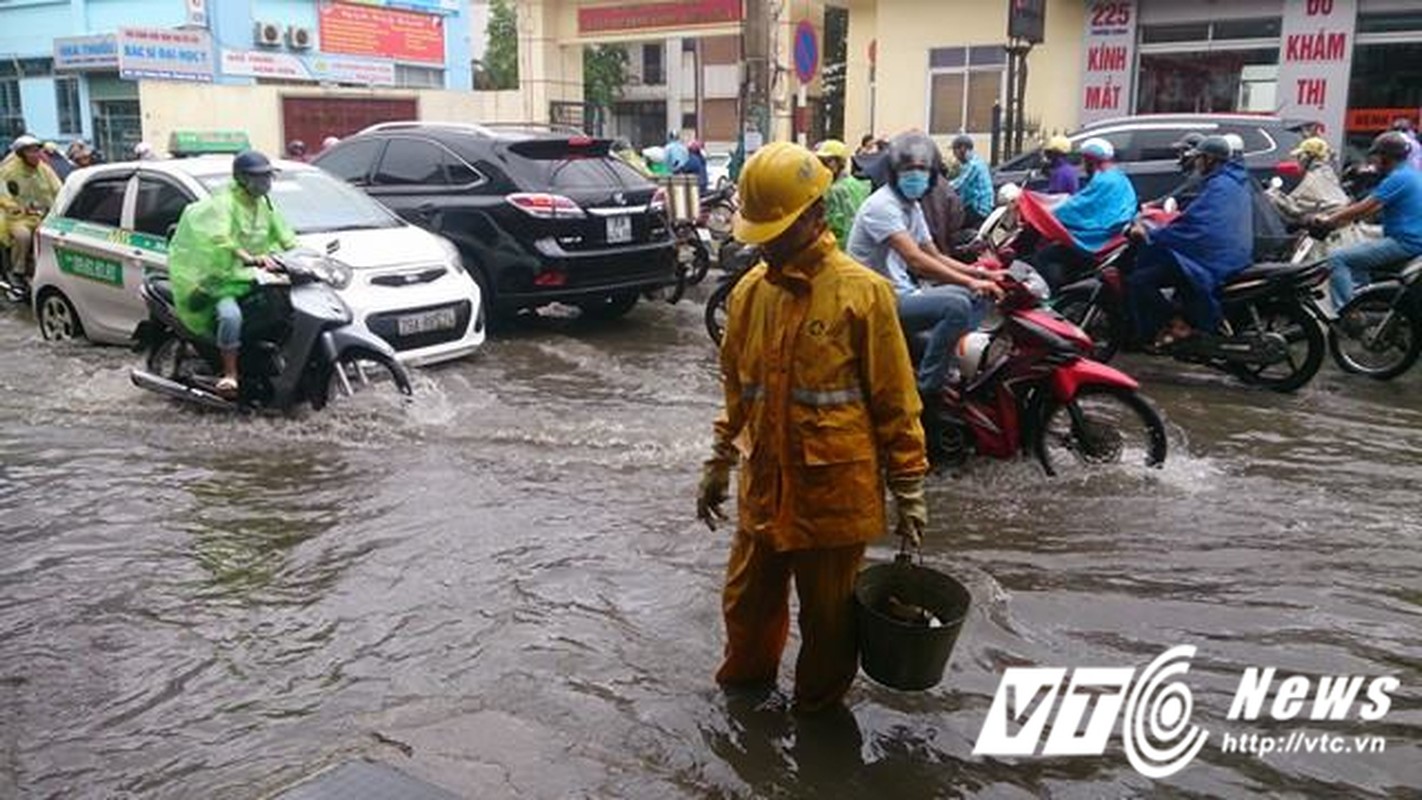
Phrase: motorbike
x=1273 y=333
x=1379 y=332
x=1027 y=384
x=298 y=343
x=718 y=208
x=736 y=259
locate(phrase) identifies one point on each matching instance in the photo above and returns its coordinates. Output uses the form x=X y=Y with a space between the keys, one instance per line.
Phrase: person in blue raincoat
x=1093 y=216
x=1209 y=243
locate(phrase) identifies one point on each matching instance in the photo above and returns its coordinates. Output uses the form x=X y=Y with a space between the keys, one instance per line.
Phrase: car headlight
x=451 y=254
x=336 y=273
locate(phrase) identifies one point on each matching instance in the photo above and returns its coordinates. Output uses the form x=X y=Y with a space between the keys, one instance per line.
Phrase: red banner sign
x=598 y=19
x=1372 y=120
x=382 y=33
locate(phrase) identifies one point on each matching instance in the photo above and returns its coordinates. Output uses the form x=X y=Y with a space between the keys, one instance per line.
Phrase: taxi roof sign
x=197 y=143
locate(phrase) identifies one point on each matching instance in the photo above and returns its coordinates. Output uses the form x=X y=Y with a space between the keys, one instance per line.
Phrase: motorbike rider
x=695 y=164
x=891 y=237
x=845 y=195
x=1399 y=198
x=974 y=182
x=28 y=187
x=212 y=255
x=1319 y=192
x=1093 y=216
x=1212 y=240
x=296 y=150
x=820 y=414
x=1062 y=177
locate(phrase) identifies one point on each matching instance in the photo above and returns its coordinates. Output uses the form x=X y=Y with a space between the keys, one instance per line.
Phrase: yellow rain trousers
x=821 y=404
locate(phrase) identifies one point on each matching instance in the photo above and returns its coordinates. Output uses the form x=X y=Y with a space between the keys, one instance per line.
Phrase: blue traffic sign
x=807 y=51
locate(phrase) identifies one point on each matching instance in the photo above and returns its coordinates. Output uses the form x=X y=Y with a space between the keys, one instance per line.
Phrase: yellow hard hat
x=1057 y=144
x=1313 y=147
x=777 y=184
x=833 y=148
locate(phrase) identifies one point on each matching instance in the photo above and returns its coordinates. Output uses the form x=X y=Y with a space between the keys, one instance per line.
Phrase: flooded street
x=502 y=588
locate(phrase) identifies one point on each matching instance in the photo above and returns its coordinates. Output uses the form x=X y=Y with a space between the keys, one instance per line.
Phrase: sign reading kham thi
x=1110 y=59
x=284 y=66
x=163 y=53
x=1314 y=61
x=86 y=53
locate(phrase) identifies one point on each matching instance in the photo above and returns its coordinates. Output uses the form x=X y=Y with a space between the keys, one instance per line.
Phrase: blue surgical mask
x=913 y=184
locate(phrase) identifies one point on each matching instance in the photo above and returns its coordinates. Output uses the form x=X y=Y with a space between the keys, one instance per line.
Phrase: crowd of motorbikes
x=1034 y=378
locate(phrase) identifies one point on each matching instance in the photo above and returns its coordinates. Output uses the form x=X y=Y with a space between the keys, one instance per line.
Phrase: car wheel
x=58 y=320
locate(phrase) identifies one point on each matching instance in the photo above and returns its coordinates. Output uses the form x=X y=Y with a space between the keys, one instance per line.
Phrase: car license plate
x=619 y=229
x=439 y=320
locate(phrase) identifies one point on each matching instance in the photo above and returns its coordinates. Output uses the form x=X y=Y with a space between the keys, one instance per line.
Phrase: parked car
x=1145 y=148
x=718 y=170
x=539 y=215
x=110 y=225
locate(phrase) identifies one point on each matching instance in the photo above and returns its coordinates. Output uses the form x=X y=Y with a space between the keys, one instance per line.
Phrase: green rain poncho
x=842 y=202
x=202 y=257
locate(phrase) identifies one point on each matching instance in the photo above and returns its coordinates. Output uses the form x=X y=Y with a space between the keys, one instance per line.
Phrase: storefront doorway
x=118 y=126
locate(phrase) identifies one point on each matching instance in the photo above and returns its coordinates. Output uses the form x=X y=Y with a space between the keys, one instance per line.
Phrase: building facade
x=122 y=71
x=940 y=65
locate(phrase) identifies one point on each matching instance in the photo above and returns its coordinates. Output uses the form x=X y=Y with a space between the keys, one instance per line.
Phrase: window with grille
x=66 y=98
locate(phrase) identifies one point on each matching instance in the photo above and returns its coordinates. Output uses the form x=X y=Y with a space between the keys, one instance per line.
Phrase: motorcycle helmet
x=253 y=172
x=910 y=149
x=1057 y=144
x=1391 y=145
x=1216 y=147
x=1097 y=149
x=1236 y=143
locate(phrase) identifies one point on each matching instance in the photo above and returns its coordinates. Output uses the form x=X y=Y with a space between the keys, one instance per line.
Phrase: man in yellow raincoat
x=846 y=194
x=28 y=187
x=820 y=406
x=211 y=259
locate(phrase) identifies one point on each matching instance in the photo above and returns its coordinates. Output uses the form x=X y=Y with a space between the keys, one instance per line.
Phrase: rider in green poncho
x=212 y=256
x=846 y=195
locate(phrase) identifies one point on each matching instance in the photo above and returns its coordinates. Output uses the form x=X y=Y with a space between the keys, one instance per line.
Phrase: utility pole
x=755 y=88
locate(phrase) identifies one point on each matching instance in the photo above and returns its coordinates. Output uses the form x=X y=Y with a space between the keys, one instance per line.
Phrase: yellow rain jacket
x=820 y=400
x=33 y=187
x=202 y=257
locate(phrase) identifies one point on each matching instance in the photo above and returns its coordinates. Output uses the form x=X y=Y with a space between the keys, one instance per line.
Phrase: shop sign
x=167 y=54
x=322 y=68
x=382 y=33
x=86 y=53
x=422 y=6
x=600 y=19
x=1314 y=59
x=1027 y=20
x=191 y=143
x=1110 y=59
x=1376 y=120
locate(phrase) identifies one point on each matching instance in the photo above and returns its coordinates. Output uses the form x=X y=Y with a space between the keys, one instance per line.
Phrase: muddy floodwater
x=500 y=588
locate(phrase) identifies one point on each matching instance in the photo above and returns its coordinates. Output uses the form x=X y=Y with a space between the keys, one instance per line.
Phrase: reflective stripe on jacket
x=820 y=400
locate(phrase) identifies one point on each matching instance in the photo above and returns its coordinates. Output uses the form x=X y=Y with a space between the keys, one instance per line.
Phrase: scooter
x=1379 y=332
x=298 y=343
x=1273 y=330
x=1027 y=384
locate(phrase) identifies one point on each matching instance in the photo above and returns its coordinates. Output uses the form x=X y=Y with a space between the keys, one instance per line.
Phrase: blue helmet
x=251 y=162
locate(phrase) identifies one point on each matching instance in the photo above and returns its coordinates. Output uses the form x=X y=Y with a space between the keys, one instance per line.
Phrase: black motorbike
x=298 y=343
x=1379 y=332
x=736 y=259
x=1273 y=330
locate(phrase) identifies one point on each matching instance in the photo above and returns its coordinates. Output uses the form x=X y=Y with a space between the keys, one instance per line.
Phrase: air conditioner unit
x=299 y=38
x=267 y=34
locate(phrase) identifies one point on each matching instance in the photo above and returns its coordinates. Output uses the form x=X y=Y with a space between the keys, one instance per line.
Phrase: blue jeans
x=229 y=324
x=950 y=312
x=1351 y=267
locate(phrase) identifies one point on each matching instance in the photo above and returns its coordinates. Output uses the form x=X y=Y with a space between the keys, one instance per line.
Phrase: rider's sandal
x=227 y=387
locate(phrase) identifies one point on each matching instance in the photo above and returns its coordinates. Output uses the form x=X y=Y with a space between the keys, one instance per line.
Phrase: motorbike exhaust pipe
x=178 y=391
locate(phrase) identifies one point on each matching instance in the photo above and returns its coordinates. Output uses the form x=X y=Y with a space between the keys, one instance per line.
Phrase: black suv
x=537 y=215
x=1145 y=148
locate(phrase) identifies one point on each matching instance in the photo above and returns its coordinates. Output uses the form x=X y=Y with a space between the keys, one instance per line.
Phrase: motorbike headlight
x=1008 y=193
x=338 y=274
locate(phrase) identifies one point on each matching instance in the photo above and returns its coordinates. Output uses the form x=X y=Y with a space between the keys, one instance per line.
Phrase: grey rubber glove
x=715 y=488
x=911 y=508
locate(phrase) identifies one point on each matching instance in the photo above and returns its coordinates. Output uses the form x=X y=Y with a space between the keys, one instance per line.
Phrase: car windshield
x=314 y=202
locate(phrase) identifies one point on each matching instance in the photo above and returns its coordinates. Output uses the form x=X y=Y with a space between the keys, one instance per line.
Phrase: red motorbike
x=1027 y=384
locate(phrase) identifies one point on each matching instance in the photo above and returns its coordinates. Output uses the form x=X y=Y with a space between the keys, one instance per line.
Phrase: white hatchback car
x=110 y=225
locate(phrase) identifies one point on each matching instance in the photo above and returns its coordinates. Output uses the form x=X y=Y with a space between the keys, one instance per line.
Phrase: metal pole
x=756 y=50
x=1021 y=98
x=996 y=132
x=1010 y=122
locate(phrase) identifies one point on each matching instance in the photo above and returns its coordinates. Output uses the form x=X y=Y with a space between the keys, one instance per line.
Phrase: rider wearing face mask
x=891 y=236
x=211 y=259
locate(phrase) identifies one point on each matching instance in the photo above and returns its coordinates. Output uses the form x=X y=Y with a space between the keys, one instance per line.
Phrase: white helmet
x=1236 y=143
x=1097 y=148
x=25 y=141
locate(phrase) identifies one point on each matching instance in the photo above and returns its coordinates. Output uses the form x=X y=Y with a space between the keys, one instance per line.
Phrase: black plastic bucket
x=909 y=656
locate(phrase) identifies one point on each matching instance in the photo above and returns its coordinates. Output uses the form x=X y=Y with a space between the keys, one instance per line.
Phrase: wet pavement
x=500 y=588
